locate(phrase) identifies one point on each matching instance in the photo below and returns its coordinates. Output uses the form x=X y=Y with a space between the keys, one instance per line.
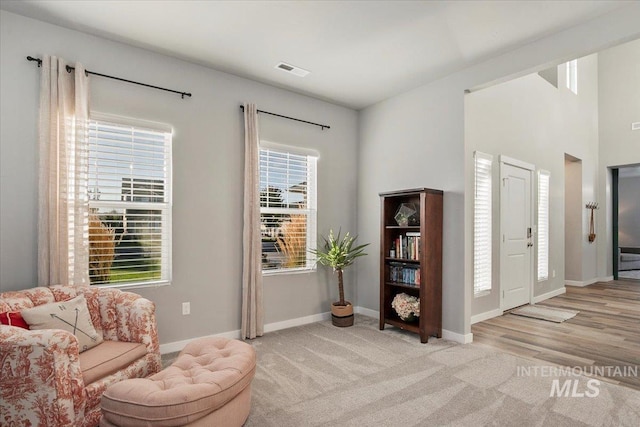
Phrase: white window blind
x=482 y=236
x=287 y=210
x=572 y=76
x=129 y=185
x=543 y=225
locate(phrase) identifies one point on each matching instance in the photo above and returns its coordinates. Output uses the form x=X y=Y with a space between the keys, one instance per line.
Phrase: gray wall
x=413 y=139
x=402 y=147
x=535 y=122
x=629 y=211
x=619 y=106
x=417 y=139
x=208 y=171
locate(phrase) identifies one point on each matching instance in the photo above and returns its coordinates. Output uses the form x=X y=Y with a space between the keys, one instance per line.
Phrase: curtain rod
x=70 y=68
x=291 y=118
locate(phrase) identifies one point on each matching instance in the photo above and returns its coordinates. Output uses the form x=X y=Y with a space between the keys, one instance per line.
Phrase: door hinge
x=503 y=238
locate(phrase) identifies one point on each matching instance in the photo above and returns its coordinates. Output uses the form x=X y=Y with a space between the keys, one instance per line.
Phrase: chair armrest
x=129 y=317
x=41 y=377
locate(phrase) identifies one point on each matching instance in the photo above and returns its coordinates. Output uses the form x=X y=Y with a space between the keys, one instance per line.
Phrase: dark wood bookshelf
x=403 y=285
x=407 y=326
x=403 y=260
x=428 y=203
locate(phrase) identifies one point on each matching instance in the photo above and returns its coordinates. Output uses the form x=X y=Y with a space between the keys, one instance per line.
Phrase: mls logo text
x=573 y=381
x=571 y=388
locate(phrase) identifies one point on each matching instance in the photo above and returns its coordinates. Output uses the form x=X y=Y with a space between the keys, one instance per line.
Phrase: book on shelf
x=408 y=274
x=407 y=246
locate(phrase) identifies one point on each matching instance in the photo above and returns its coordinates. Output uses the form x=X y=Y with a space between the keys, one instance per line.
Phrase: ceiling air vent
x=292 y=69
x=635 y=126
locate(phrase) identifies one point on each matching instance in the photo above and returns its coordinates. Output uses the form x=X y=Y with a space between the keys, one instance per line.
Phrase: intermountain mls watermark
x=572 y=382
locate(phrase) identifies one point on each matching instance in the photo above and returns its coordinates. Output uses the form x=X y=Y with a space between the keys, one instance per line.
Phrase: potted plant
x=338 y=254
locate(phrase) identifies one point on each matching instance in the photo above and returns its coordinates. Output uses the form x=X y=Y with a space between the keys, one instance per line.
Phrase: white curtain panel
x=252 y=313
x=63 y=230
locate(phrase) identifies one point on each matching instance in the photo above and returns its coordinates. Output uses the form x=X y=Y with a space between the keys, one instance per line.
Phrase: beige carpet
x=552 y=314
x=320 y=375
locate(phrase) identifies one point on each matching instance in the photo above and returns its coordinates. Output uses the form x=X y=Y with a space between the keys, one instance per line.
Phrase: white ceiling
x=358 y=52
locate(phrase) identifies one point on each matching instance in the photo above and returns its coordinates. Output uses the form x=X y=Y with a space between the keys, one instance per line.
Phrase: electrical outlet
x=186 y=308
x=553 y=273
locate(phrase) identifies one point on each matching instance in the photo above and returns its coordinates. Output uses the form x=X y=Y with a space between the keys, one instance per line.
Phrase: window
x=572 y=76
x=287 y=209
x=482 y=206
x=129 y=186
x=543 y=225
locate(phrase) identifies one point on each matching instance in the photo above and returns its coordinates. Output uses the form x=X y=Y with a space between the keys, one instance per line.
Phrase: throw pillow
x=72 y=316
x=13 y=318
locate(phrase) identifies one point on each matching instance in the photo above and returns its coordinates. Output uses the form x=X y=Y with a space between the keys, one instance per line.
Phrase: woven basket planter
x=342 y=315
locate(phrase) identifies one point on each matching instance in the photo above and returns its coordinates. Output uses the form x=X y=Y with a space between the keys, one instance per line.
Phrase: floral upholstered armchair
x=46 y=381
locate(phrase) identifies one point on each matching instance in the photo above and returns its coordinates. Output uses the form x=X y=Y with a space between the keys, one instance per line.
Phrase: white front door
x=516 y=254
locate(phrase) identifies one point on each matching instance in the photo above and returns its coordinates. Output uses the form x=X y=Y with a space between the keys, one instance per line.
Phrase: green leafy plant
x=338 y=254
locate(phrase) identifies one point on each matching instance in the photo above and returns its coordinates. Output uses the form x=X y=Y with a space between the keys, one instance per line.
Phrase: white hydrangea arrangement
x=406 y=306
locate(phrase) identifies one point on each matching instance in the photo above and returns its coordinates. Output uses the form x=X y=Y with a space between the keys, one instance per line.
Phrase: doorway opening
x=625 y=186
x=572 y=219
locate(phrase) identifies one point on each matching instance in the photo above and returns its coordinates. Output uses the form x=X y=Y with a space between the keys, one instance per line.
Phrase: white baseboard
x=276 y=326
x=574 y=283
x=269 y=327
x=582 y=284
x=454 y=336
x=285 y=324
x=367 y=312
x=486 y=315
x=448 y=335
x=548 y=295
x=605 y=279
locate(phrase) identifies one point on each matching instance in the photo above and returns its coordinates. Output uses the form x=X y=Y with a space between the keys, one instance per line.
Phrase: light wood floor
x=606 y=332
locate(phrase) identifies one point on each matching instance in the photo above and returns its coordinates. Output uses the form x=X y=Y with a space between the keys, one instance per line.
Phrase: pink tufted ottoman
x=209 y=384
